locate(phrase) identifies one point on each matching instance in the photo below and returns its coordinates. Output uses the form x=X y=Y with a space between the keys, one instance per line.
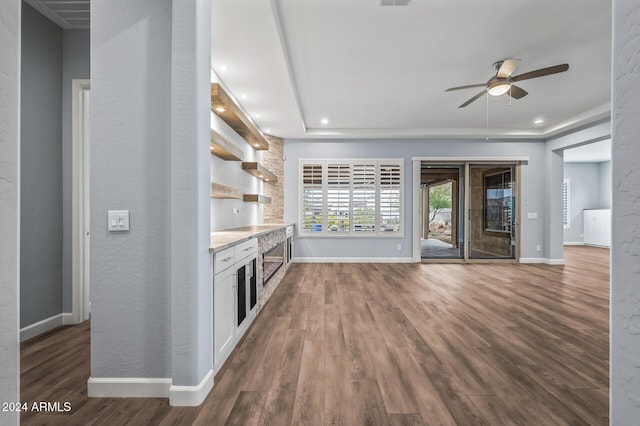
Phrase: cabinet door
x=223 y=315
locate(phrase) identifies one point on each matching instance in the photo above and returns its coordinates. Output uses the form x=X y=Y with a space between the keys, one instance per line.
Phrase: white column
x=191 y=280
x=625 y=247
x=9 y=206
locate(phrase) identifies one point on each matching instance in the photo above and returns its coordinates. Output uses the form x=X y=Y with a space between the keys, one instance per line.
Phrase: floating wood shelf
x=256 y=198
x=259 y=171
x=219 y=190
x=230 y=112
x=220 y=147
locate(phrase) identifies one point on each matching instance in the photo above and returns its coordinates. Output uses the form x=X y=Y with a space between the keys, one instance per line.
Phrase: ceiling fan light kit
x=502 y=82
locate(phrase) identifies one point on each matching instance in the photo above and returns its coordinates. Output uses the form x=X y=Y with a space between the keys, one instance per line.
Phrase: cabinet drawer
x=223 y=259
x=248 y=248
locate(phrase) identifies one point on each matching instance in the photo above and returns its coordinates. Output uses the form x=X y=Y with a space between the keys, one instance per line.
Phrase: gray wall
x=41 y=169
x=9 y=206
x=605 y=184
x=625 y=248
x=75 y=64
x=584 y=194
x=131 y=170
x=532 y=189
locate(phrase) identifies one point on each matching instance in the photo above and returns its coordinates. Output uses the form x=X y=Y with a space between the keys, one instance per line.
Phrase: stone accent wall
x=273 y=160
x=265 y=243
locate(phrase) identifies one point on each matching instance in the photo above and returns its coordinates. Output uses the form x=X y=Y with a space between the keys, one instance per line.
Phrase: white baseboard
x=67 y=318
x=43 y=326
x=573 y=243
x=191 y=396
x=128 y=387
x=353 y=260
x=542 y=260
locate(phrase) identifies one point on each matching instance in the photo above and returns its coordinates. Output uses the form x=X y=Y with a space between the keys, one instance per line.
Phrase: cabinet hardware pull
x=226 y=259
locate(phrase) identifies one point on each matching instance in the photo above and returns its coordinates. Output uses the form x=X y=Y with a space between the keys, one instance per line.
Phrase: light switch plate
x=118 y=220
x=532 y=215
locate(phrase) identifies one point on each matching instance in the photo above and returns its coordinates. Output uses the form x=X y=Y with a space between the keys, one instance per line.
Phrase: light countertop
x=228 y=237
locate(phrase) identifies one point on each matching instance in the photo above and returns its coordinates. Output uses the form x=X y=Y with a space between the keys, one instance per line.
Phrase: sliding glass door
x=468 y=211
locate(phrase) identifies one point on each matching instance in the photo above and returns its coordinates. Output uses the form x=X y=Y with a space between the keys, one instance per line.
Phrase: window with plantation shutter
x=338 y=197
x=312 y=198
x=351 y=197
x=364 y=198
x=390 y=197
x=566 y=188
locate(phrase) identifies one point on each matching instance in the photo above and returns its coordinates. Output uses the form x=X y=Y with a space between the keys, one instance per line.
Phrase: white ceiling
x=596 y=152
x=68 y=14
x=381 y=71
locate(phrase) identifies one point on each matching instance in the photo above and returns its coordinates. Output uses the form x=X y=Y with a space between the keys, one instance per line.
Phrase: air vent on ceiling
x=395 y=2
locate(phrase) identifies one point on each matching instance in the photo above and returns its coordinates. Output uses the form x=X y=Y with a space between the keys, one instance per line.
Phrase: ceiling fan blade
x=516 y=92
x=541 y=72
x=466 y=87
x=479 y=95
x=507 y=68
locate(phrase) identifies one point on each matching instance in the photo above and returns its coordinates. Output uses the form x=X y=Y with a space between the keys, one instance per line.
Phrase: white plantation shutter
x=312 y=198
x=364 y=198
x=390 y=197
x=351 y=197
x=338 y=197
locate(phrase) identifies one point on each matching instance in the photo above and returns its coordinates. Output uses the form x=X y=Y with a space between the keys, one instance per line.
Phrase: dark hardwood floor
x=385 y=344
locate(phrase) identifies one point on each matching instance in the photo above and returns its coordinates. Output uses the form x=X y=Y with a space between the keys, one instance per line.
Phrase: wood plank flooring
x=384 y=344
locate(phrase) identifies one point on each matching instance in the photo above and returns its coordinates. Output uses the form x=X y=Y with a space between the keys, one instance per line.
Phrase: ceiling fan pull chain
x=487 y=97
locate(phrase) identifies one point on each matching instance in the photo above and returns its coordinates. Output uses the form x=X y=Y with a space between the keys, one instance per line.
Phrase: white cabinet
x=223 y=314
x=597 y=227
x=235 y=296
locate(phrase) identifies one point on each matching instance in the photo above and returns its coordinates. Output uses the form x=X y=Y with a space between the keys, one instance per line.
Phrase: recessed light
x=256 y=145
x=257 y=115
x=267 y=130
x=244 y=96
x=220 y=109
x=223 y=68
x=538 y=121
x=325 y=121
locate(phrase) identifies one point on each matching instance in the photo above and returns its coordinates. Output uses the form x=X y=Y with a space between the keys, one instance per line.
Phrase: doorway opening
x=468 y=211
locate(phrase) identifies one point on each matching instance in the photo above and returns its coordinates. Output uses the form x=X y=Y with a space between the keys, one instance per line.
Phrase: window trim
x=325 y=233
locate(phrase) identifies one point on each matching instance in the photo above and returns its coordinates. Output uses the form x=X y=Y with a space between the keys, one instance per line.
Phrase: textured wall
x=41 y=169
x=191 y=280
x=131 y=170
x=531 y=200
x=75 y=64
x=9 y=205
x=274 y=161
x=625 y=249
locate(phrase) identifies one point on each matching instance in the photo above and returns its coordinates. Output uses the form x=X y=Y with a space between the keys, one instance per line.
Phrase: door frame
x=80 y=236
x=417 y=205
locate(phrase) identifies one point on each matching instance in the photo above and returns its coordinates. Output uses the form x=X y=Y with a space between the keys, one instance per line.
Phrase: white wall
x=532 y=189
x=625 y=248
x=9 y=205
x=231 y=173
x=584 y=194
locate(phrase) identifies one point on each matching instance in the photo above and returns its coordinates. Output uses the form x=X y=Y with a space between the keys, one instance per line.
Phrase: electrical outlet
x=538 y=248
x=236 y=210
x=399 y=247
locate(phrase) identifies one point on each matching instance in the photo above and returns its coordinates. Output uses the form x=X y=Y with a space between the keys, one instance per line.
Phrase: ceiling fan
x=502 y=82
